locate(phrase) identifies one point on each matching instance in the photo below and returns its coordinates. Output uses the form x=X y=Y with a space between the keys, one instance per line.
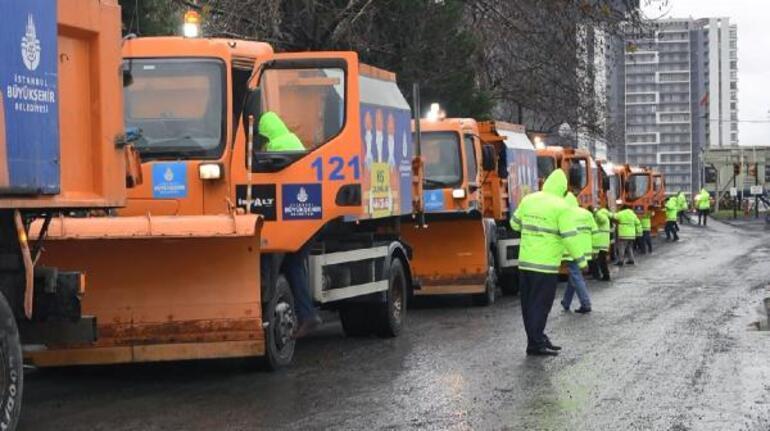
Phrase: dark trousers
x=671 y=231
x=296 y=275
x=599 y=268
x=537 y=292
x=703 y=216
x=646 y=241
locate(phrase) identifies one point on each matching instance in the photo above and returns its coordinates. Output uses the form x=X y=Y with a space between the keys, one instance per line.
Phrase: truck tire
x=281 y=321
x=11 y=368
x=390 y=315
x=488 y=297
x=356 y=319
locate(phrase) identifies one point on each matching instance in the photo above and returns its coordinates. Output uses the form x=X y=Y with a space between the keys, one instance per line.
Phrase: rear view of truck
x=60 y=151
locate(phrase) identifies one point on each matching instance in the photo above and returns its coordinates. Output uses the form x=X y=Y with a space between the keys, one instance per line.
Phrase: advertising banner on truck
x=29 y=118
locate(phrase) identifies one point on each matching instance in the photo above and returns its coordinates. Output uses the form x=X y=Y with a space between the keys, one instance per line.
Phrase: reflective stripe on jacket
x=543 y=218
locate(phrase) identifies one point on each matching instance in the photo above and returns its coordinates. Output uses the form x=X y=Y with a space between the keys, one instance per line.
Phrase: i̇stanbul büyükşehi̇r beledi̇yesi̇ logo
x=30 y=46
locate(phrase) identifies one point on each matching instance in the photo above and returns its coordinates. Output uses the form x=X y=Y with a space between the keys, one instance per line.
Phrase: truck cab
x=328 y=210
x=579 y=166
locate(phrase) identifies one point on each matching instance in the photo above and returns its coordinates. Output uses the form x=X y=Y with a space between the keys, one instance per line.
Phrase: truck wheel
x=488 y=297
x=390 y=315
x=356 y=319
x=11 y=371
x=281 y=323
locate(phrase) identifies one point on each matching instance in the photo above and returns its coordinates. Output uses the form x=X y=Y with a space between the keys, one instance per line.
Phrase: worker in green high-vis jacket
x=547 y=228
x=280 y=139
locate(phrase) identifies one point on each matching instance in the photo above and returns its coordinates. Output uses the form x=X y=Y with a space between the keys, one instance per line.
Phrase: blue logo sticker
x=434 y=200
x=169 y=180
x=301 y=201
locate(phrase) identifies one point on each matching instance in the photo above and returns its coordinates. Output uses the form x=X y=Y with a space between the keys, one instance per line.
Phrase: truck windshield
x=578 y=174
x=614 y=188
x=637 y=186
x=441 y=152
x=177 y=104
x=310 y=101
x=545 y=165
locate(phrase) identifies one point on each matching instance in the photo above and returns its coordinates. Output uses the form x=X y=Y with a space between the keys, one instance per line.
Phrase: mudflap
x=164 y=293
x=449 y=256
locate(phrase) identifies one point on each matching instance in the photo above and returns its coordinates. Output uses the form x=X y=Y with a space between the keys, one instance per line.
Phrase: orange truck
x=240 y=220
x=475 y=173
x=62 y=150
x=640 y=190
x=580 y=167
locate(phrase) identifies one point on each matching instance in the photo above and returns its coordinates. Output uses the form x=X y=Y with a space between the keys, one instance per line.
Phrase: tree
x=150 y=17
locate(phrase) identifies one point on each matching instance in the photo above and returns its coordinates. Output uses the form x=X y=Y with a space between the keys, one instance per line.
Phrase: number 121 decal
x=336 y=165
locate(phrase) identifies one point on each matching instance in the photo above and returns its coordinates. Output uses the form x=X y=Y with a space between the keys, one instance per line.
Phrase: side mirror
x=488 y=158
x=605 y=183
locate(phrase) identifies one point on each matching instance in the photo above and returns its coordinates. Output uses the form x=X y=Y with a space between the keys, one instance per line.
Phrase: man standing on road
x=600 y=242
x=703 y=201
x=672 y=209
x=628 y=226
x=280 y=138
x=586 y=226
x=683 y=207
x=546 y=227
x=645 y=241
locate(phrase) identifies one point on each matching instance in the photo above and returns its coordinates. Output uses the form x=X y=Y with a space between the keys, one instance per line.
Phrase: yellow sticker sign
x=380 y=194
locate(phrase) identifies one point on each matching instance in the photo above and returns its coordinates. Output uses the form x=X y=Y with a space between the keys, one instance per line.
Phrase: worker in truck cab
x=576 y=283
x=547 y=228
x=280 y=138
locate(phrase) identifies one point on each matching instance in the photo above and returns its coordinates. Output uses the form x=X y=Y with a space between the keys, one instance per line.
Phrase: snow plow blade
x=161 y=288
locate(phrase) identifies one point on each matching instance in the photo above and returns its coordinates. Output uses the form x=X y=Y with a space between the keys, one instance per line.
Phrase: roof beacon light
x=192 y=24
x=435 y=113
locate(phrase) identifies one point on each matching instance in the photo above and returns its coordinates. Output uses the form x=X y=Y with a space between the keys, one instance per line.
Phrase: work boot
x=564 y=307
x=618 y=263
x=606 y=278
x=583 y=310
x=551 y=346
x=630 y=262
x=541 y=351
x=307 y=326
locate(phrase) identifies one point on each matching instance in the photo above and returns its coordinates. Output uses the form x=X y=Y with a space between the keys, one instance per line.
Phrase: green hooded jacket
x=547 y=227
x=628 y=224
x=601 y=238
x=703 y=200
x=647 y=222
x=682 y=200
x=278 y=135
x=585 y=226
x=672 y=208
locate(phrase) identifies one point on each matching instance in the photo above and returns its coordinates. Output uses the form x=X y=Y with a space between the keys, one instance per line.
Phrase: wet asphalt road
x=667 y=347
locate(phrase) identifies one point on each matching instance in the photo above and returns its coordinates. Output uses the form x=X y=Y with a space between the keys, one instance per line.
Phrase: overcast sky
x=753 y=19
